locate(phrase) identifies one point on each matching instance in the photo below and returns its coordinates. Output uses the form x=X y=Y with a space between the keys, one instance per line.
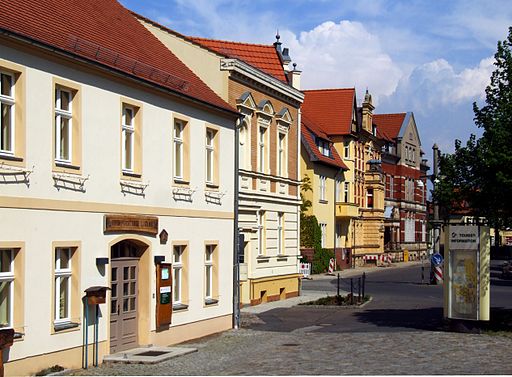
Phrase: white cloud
x=343 y=54
x=436 y=84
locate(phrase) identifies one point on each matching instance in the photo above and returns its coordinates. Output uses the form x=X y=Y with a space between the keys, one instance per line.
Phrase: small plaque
x=165 y=273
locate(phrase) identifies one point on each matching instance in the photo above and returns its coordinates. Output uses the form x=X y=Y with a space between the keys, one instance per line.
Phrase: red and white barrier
x=331 y=266
x=385 y=258
x=305 y=269
x=438 y=274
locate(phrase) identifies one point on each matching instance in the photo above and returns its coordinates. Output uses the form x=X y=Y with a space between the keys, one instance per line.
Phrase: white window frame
x=282 y=161
x=346 y=150
x=391 y=187
x=323 y=229
x=61 y=273
x=66 y=114
x=128 y=133
x=210 y=155
x=346 y=192
x=8 y=278
x=178 y=140
x=323 y=183
x=338 y=189
x=369 y=194
x=261 y=226
x=243 y=133
x=262 y=149
x=280 y=233
x=208 y=267
x=177 y=265
x=9 y=101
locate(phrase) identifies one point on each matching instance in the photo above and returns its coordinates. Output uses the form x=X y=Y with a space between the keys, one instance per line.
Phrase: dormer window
x=323 y=147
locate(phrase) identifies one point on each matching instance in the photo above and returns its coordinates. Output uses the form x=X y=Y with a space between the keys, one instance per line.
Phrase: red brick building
x=405 y=172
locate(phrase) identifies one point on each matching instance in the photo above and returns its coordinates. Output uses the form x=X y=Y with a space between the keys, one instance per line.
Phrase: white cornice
x=244 y=69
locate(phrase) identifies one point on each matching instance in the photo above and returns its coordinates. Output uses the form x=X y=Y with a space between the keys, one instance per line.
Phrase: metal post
x=436 y=224
x=364 y=283
x=338 y=286
x=96 y=335
x=236 y=251
x=359 y=289
x=352 y=291
x=86 y=334
x=422 y=274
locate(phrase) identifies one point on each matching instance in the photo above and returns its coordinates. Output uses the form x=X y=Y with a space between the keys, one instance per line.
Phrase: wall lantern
x=101 y=261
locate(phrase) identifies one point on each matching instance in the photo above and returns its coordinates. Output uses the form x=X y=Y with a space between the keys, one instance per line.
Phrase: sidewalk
x=310 y=295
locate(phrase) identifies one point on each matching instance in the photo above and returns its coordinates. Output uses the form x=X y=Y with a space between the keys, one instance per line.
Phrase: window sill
x=323 y=201
x=182 y=182
x=127 y=173
x=210 y=301
x=10 y=157
x=212 y=185
x=179 y=307
x=59 y=327
x=66 y=165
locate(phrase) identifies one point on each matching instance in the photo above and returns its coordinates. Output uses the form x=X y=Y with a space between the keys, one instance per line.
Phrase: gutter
x=112 y=71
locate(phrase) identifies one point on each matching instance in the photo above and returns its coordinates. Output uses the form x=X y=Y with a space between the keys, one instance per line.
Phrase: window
x=346 y=197
x=210 y=155
x=262 y=150
x=63 y=125
x=391 y=187
x=179 y=127
x=323 y=181
x=346 y=150
x=369 y=198
x=323 y=228
x=208 y=268
x=280 y=233
x=6 y=287
x=338 y=235
x=177 y=268
x=323 y=147
x=7 y=103
x=62 y=284
x=128 y=131
x=338 y=190
x=242 y=152
x=261 y=232
x=281 y=155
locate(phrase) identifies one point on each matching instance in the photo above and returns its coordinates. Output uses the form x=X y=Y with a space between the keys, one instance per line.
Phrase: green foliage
x=321 y=260
x=479 y=174
x=306 y=204
x=310 y=233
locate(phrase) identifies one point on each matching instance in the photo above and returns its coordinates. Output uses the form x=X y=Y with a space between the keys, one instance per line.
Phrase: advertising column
x=467 y=286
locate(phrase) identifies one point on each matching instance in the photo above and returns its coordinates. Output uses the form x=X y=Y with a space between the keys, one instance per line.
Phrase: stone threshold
x=147 y=355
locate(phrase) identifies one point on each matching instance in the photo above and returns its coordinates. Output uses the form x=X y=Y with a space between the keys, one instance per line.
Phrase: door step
x=147 y=355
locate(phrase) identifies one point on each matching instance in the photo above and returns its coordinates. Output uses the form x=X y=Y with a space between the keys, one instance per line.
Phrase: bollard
x=364 y=283
x=338 y=287
x=359 y=289
x=422 y=274
x=351 y=291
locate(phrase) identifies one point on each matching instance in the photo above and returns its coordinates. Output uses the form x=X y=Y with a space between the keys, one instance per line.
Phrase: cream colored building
x=110 y=164
x=256 y=80
x=360 y=205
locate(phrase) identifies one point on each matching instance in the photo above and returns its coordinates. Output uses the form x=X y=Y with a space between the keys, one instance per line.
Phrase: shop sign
x=131 y=223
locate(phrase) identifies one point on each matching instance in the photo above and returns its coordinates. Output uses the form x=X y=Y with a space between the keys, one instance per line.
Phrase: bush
x=310 y=232
x=321 y=260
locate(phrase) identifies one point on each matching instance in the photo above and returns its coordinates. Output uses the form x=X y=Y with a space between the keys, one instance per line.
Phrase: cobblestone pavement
x=308 y=352
x=284 y=340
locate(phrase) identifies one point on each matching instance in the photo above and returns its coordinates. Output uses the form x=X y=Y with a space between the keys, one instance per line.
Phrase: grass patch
x=338 y=301
x=54 y=369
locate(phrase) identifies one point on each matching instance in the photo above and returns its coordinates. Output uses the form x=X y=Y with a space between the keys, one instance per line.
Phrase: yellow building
x=322 y=164
x=360 y=205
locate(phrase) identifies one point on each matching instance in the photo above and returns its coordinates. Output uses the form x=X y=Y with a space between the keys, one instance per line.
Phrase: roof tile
x=388 y=125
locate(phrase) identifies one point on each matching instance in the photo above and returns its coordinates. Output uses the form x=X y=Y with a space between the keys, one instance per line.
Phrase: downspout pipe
x=236 y=232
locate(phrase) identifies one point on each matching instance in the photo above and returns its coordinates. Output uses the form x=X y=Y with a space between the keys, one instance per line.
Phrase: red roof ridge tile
x=390 y=114
x=232 y=42
x=328 y=89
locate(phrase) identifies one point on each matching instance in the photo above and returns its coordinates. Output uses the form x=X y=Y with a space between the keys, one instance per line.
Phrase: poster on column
x=467 y=284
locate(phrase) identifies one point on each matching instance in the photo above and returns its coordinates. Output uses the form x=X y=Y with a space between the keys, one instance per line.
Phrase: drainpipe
x=335 y=198
x=236 y=232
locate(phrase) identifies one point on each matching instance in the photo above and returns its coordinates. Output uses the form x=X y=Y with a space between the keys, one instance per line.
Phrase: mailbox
x=96 y=295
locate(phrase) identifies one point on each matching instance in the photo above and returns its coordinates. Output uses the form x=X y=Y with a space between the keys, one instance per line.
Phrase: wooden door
x=123 y=305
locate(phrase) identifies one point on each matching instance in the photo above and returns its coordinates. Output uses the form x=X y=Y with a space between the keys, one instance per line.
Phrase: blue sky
x=431 y=57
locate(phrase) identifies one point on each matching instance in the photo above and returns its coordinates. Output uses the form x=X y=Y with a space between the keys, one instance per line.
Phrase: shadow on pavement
x=502 y=282
x=419 y=319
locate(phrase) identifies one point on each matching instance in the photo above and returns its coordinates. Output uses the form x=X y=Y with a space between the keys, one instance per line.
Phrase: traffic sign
x=437 y=259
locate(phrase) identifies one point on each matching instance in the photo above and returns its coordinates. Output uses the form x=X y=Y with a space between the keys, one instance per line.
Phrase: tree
x=479 y=174
x=310 y=232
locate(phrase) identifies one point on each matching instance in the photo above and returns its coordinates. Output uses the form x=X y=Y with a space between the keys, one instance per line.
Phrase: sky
x=431 y=57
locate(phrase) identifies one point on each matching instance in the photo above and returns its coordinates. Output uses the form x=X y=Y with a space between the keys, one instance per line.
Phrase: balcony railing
x=346 y=209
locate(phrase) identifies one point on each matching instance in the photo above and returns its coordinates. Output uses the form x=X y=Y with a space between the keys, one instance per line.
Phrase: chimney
x=294 y=77
x=368 y=112
x=283 y=53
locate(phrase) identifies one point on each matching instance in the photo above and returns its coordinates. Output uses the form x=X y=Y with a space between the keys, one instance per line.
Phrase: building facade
x=360 y=205
x=110 y=170
x=256 y=80
x=405 y=172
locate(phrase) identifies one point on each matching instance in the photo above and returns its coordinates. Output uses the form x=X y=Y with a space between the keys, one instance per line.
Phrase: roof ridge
x=328 y=89
x=232 y=42
x=404 y=113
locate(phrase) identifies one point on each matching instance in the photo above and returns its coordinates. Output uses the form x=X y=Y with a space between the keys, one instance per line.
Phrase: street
x=399 y=332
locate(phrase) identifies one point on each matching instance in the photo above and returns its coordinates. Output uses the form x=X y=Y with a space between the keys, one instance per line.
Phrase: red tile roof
x=330 y=109
x=124 y=44
x=262 y=57
x=309 y=133
x=388 y=125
